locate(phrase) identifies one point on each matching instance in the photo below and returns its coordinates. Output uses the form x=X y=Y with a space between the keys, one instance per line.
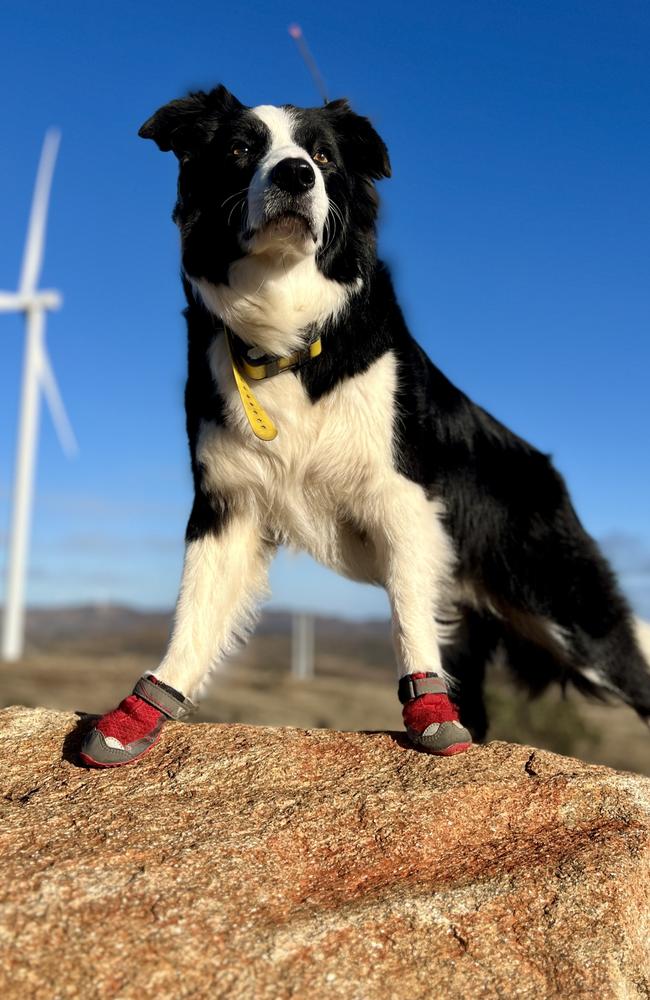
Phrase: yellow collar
x=254 y=364
x=258 y=368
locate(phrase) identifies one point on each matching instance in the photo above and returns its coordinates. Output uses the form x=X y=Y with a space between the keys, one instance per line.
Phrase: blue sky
x=516 y=224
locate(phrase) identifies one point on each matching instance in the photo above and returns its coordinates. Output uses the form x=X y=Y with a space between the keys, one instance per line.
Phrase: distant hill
x=119 y=626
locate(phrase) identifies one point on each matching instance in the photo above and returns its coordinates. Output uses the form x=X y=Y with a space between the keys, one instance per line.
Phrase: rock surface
x=244 y=862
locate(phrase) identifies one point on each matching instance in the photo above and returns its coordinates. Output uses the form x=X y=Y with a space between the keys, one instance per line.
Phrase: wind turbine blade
x=60 y=419
x=10 y=302
x=35 y=243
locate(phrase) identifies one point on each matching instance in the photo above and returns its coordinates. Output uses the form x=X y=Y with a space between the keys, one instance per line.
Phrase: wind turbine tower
x=38 y=375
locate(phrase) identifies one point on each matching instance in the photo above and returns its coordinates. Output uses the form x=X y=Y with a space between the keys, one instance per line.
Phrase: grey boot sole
x=442 y=738
x=96 y=752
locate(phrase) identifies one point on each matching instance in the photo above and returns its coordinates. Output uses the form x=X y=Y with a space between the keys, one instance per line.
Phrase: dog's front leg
x=224 y=576
x=416 y=563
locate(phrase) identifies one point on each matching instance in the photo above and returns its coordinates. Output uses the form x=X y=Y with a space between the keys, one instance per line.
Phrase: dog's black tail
x=537 y=653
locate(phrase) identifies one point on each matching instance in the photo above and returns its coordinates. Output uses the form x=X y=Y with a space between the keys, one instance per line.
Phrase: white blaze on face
x=281 y=124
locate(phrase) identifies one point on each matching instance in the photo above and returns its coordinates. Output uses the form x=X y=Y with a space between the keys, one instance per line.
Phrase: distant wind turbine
x=37 y=375
x=296 y=33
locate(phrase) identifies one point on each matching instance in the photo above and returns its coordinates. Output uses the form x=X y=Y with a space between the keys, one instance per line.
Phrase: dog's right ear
x=185 y=125
x=364 y=148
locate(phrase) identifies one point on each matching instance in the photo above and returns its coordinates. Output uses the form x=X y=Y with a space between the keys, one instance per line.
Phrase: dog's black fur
x=524 y=560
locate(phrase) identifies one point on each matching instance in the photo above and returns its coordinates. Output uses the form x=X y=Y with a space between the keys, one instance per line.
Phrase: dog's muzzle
x=287 y=201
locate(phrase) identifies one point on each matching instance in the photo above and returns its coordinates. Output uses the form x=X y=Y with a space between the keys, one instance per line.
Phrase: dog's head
x=284 y=182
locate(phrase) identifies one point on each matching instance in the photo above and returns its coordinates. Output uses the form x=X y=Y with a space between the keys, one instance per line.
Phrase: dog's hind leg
x=465 y=659
x=564 y=617
x=224 y=576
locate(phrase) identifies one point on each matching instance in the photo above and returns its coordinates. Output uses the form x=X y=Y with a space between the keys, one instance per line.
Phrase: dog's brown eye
x=238 y=149
x=320 y=157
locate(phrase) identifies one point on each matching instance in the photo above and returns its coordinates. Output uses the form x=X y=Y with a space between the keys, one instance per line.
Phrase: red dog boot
x=126 y=733
x=430 y=718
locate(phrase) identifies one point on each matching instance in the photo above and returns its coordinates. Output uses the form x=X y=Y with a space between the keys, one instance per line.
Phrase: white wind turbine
x=37 y=376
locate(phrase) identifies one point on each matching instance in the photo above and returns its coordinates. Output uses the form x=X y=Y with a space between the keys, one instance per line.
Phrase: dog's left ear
x=185 y=125
x=362 y=146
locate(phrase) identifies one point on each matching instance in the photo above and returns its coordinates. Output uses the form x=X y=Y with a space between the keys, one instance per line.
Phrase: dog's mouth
x=289 y=225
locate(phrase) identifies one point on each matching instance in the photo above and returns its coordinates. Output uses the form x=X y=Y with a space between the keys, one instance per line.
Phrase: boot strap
x=163 y=697
x=411 y=687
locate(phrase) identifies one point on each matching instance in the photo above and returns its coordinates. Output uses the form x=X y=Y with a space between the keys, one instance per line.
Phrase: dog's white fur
x=327 y=484
x=224 y=578
x=271 y=299
x=320 y=489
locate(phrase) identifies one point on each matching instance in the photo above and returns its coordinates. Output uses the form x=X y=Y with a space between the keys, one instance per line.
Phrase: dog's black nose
x=293 y=175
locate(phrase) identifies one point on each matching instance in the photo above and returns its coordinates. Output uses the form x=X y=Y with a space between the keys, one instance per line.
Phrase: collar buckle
x=269 y=365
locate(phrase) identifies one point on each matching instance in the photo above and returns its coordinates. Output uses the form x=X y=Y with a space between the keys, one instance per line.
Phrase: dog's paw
x=432 y=723
x=126 y=733
x=123 y=735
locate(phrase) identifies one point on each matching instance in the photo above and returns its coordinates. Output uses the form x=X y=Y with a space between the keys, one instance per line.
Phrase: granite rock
x=249 y=862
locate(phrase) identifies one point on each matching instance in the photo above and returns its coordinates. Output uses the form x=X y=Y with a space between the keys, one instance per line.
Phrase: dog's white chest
x=311 y=485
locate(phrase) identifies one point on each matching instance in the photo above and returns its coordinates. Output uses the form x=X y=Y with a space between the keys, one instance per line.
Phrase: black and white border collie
x=381 y=469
